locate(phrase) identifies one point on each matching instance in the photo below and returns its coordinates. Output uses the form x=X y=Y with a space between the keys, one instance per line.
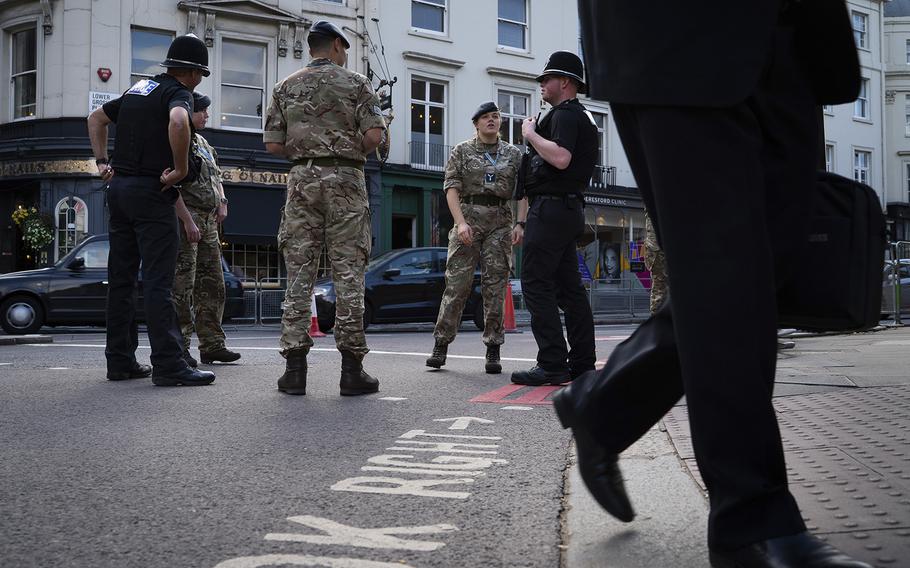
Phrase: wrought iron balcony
x=603 y=177
x=427 y=156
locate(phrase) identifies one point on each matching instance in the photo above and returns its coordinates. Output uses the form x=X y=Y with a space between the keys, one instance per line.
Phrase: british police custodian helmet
x=565 y=64
x=324 y=27
x=188 y=51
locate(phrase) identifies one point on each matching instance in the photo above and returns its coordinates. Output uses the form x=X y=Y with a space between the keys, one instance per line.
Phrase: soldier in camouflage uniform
x=325 y=119
x=656 y=263
x=479 y=183
x=199 y=279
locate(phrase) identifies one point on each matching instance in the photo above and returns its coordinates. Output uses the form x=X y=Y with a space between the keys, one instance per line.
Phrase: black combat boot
x=438 y=358
x=293 y=381
x=493 y=366
x=354 y=380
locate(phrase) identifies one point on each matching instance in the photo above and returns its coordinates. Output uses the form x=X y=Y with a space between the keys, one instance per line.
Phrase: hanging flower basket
x=37 y=232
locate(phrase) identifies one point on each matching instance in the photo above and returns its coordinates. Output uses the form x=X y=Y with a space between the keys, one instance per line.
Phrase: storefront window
x=611 y=247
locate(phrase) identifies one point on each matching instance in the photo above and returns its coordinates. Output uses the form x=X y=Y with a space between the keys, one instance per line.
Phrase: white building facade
x=448 y=56
x=61 y=58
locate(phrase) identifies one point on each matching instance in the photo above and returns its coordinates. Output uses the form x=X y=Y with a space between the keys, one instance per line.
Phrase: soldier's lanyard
x=205 y=153
x=489 y=176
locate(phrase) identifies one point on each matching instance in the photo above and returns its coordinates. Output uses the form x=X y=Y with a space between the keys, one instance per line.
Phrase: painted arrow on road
x=462 y=422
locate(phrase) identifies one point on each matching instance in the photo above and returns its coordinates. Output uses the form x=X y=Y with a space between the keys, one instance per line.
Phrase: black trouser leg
x=150 y=215
x=572 y=299
x=552 y=230
x=123 y=270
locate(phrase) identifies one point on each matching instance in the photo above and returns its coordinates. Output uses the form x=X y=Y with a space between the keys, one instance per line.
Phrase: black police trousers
x=143 y=232
x=733 y=234
x=550 y=281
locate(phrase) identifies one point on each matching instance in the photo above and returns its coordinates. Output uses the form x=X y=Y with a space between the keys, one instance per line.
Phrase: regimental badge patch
x=143 y=87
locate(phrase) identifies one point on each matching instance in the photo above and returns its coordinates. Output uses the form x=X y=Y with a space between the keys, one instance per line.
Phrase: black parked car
x=403 y=285
x=74 y=291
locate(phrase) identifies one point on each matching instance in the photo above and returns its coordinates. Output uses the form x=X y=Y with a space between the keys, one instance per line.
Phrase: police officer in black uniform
x=556 y=171
x=151 y=156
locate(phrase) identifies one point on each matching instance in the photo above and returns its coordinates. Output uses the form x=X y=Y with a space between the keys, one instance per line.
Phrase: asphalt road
x=236 y=474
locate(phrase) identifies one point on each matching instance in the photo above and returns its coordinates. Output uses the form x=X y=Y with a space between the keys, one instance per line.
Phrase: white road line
x=319 y=349
x=58 y=368
x=2 y=364
x=393 y=398
x=517 y=408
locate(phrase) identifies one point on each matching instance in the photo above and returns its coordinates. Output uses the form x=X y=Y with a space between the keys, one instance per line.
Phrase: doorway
x=404 y=231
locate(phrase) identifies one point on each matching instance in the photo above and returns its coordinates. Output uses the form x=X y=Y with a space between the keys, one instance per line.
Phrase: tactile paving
x=848 y=461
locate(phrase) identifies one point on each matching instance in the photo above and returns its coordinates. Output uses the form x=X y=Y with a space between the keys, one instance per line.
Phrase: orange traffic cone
x=314 y=321
x=508 y=319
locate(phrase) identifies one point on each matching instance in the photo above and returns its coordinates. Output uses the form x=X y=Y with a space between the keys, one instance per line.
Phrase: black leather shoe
x=536 y=377
x=599 y=468
x=575 y=373
x=184 y=377
x=797 y=551
x=223 y=355
x=137 y=372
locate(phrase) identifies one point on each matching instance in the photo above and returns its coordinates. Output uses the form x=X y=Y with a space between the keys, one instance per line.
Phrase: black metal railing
x=427 y=156
x=603 y=177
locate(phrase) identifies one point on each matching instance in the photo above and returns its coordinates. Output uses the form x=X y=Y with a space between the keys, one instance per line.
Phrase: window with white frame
x=24 y=73
x=71 y=216
x=861 y=105
x=513 y=108
x=907 y=49
x=513 y=24
x=243 y=79
x=148 y=48
x=428 y=107
x=829 y=157
x=907 y=115
x=860 y=23
x=861 y=162
x=429 y=15
x=907 y=166
x=601 y=177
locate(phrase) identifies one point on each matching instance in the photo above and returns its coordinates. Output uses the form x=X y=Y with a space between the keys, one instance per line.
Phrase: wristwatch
x=224 y=200
x=522 y=223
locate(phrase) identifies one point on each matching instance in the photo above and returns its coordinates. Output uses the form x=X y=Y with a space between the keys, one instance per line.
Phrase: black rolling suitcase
x=839 y=283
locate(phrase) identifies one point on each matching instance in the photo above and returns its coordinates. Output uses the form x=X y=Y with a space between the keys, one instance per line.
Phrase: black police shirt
x=142 y=115
x=574 y=129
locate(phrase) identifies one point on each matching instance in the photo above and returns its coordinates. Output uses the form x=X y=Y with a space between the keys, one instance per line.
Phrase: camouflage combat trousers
x=656 y=263
x=492 y=229
x=199 y=286
x=325 y=205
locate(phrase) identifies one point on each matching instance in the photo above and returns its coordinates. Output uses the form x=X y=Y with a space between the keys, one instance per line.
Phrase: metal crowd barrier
x=899 y=253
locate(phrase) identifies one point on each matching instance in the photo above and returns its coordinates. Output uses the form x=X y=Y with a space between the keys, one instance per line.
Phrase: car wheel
x=478 y=316
x=21 y=314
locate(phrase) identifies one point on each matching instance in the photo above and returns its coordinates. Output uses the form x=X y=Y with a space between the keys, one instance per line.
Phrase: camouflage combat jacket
x=475 y=168
x=202 y=195
x=323 y=110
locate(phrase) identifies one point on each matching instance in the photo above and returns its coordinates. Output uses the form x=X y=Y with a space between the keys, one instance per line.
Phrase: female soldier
x=479 y=183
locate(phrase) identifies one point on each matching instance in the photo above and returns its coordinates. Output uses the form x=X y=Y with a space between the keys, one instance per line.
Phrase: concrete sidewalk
x=843 y=404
